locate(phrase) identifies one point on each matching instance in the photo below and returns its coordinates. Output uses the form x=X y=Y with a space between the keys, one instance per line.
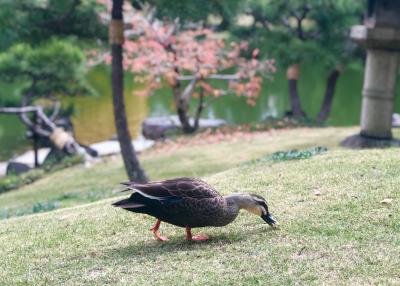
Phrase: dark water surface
x=94 y=121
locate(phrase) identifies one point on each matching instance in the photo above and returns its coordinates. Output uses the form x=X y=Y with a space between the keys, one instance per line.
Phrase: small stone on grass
x=386 y=201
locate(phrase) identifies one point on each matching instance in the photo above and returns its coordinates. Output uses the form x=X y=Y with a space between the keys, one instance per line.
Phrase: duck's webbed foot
x=197 y=237
x=157 y=234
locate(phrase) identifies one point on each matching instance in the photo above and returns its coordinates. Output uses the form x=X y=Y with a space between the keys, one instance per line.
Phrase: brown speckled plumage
x=188 y=202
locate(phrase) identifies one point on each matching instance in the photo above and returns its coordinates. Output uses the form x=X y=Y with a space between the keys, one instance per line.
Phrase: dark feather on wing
x=182 y=201
x=179 y=187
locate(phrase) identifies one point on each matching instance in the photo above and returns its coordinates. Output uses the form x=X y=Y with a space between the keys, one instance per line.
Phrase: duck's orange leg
x=197 y=237
x=157 y=234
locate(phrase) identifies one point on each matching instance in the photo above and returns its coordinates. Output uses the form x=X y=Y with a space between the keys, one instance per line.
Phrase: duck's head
x=260 y=208
x=256 y=205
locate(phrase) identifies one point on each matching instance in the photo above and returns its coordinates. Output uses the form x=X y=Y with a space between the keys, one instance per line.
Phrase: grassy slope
x=80 y=185
x=344 y=236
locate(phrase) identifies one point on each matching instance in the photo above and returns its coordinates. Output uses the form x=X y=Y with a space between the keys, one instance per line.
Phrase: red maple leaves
x=156 y=50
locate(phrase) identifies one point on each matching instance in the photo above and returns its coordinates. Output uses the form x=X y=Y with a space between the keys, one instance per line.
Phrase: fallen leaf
x=386 y=201
x=301 y=250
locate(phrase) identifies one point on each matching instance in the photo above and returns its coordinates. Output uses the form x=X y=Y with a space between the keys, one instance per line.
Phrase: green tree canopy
x=42 y=42
x=51 y=68
x=304 y=30
x=196 y=11
x=34 y=21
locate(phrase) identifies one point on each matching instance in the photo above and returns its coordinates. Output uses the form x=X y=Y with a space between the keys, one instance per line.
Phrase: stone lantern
x=380 y=34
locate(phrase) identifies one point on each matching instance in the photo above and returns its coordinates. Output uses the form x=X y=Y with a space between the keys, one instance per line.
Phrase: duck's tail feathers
x=136 y=200
x=139 y=200
x=132 y=187
x=127 y=204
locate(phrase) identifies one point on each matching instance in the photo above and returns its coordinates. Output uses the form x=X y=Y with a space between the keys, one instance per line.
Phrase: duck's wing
x=175 y=188
x=181 y=201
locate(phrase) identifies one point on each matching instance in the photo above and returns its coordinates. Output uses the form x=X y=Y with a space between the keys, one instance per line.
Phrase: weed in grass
x=44 y=207
x=289 y=155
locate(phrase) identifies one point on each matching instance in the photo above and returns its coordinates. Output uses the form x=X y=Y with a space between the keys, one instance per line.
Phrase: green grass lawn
x=80 y=185
x=334 y=230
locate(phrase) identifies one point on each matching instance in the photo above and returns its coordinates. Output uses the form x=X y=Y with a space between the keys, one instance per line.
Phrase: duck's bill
x=270 y=220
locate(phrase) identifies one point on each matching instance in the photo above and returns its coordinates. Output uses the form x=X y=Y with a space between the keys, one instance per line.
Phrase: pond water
x=93 y=116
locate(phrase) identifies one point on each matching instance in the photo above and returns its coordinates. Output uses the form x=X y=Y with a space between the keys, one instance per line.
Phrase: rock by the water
x=111 y=147
x=157 y=127
x=27 y=158
x=16 y=168
x=3 y=169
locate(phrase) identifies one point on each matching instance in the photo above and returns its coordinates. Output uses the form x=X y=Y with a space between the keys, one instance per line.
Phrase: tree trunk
x=200 y=108
x=329 y=93
x=132 y=166
x=295 y=104
x=185 y=119
x=35 y=139
x=182 y=108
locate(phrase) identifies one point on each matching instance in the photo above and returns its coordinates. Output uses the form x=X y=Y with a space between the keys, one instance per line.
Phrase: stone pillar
x=380 y=34
x=378 y=93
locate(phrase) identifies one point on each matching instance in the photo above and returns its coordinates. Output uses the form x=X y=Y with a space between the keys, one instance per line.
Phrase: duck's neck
x=234 y=203
x=242 y=201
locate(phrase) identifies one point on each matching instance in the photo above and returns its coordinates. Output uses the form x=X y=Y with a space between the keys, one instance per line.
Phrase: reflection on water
x=94 y=121
x=12 y=136
x=94 y=116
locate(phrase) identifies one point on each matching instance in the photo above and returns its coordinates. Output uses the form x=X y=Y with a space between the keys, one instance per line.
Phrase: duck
x=190 y=203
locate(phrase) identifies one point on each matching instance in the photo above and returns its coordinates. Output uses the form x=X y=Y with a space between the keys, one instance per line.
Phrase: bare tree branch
x=23 y=115
x=300 y=16
x=17 y=110
x=187 y=92
x=27 y=109
x=200 y=108
x=212 y=76
x=45 y=119
x=56 y=110
x=24 y=102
